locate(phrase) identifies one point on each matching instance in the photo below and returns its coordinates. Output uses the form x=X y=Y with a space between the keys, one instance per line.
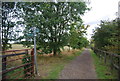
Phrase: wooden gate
x=18 y=64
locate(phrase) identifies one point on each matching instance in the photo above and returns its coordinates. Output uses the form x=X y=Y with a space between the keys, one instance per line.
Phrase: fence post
x=105 y=57
x=4 y=59
x=32 y=60
x=99 y=54
x=96 y=52
x=119 y=69
x=111 y=61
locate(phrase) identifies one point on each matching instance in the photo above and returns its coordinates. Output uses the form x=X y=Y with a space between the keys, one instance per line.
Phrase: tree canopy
x=54 y=20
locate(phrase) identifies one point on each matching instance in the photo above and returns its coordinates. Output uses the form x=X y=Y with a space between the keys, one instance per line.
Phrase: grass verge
x=50 y=67
x=103 y=71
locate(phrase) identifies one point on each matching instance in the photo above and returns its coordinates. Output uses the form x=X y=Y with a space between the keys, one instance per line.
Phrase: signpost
x=35 y=56
x=33 y=34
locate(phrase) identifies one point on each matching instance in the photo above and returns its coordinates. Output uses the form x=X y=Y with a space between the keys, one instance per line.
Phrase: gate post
x=32 y=60
x=111 y=61
x=4 y=59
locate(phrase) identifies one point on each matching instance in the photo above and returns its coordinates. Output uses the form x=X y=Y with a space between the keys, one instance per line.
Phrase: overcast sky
x=100 y=10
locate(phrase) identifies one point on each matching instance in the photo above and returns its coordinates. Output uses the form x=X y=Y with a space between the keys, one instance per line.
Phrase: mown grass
x=50 y=67
x=103 y=71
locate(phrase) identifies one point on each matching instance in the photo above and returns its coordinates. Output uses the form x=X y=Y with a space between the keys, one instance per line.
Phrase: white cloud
x=101 y=10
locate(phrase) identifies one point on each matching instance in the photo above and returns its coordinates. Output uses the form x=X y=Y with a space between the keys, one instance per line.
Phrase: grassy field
x=20 y=46
x=103 y=71
x=17 y=47
x=50 y=67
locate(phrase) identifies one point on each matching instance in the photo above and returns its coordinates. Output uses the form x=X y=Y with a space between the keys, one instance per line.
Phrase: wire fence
x=111 y=58
x=17 y=64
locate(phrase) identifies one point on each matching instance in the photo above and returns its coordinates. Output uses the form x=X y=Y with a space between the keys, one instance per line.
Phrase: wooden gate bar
x=15 y=50
x=6 y=71
x=13 y=54
x=15 y=59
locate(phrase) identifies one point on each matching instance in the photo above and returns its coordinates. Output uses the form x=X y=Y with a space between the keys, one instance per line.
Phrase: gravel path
x=80 y=68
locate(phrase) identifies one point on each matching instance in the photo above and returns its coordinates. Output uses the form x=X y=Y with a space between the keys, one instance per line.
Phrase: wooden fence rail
x=114 y=59
x=25 y=61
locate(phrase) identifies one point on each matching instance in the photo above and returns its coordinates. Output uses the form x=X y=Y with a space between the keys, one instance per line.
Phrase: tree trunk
x=4 y=47
x=54 y=52
x=69 y=47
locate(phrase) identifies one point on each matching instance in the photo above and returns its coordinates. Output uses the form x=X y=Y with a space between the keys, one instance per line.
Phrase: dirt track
x=80 y=68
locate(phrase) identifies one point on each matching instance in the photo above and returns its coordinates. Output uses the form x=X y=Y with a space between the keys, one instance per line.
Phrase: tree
x=7 y=24
x=54 y=22
x=106 y=37
x=10 y=26
x=83 y=42
x=76 y=39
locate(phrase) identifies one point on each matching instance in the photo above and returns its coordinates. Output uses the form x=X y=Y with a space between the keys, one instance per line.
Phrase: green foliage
x=54 y=22
x=73 y=41
x=7 y=25
x=83 y=42
x=76 y=39
x=107 y=36
x=9 y=14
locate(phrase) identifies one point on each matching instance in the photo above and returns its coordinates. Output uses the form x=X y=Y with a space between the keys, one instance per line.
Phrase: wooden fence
x=17 y=64
x=111 y=58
